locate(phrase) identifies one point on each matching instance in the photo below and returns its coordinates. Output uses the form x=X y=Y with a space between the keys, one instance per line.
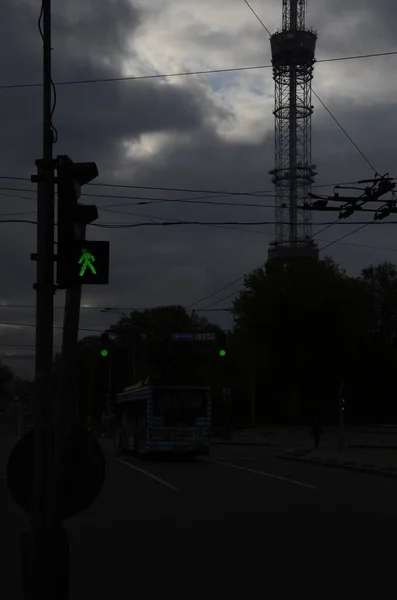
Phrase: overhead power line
x=183 y=73
x=345 y=236
x=199 y=223
x=217 y=193
x=12 y=324
x=232 y=295
x=224 y=287
x=209 y=223
x=344 y=131
x=257 y=16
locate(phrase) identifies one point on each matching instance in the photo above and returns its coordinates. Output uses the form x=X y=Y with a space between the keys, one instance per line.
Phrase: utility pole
x=66 y=410
x=40 y=548
x=253 y=394
x=341 y=418
x=44 y=290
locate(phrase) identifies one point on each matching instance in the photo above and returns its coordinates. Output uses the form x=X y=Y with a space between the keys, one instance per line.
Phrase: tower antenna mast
x=293 y=57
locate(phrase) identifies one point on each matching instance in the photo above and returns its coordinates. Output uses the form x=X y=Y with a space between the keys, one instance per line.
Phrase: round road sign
x=82 y=472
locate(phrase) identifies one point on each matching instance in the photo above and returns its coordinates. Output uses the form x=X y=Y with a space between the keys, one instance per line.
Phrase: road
x=241 y=523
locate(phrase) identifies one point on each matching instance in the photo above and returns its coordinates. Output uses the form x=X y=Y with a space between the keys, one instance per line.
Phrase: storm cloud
x=205 y=132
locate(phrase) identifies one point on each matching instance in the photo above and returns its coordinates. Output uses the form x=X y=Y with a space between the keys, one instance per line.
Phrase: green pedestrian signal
x=86 y=261
x=91 y=262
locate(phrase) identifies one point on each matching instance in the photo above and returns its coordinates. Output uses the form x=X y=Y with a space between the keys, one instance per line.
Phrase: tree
x=301 y=323
x=6 y=376
x=377 y=389
x=156 y=356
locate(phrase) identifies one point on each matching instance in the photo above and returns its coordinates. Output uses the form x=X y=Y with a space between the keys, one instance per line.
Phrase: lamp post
x=120 y=312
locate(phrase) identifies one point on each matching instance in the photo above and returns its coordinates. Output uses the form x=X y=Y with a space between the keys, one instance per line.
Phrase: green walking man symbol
x=85 y=261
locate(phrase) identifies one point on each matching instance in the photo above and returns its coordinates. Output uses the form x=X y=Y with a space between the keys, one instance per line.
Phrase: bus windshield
x=177 y=407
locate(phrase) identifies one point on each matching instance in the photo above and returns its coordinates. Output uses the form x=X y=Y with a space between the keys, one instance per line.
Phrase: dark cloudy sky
x=210 y=132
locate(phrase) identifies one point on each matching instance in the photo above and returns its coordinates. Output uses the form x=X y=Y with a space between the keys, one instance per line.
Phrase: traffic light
x=92 y=263
x=78 y=261
x=222 y=344
x=105 y=341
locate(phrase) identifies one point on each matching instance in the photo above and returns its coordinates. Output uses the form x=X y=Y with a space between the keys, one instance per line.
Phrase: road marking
x=217 y=462
x=165 y=483
x=243 y=457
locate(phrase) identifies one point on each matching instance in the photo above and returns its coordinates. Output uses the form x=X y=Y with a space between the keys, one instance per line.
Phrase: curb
x=336 y=465
x=373 y=447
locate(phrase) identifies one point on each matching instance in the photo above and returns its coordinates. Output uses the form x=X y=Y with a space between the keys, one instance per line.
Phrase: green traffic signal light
x=222 y=352
x=105 y=344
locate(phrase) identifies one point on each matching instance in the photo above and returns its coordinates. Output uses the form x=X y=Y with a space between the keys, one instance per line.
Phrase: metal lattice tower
x=293 y=50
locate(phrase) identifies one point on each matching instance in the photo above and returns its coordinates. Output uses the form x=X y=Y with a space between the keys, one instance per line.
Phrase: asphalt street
x=240 y=523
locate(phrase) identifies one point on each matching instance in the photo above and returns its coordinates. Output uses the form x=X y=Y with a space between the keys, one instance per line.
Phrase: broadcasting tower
x=293 y=51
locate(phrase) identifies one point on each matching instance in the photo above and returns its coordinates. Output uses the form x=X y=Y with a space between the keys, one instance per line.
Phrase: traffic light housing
x=105 y=343
x=78 y=261
x=222 y=345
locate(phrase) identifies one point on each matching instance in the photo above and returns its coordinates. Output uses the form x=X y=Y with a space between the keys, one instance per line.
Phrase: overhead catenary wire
x=344 y=131
x=60 y=327
x=219 y=193
x=257 y=16
x=200 y=223
x=346 y=235
x=224 y=287
x=185 y=73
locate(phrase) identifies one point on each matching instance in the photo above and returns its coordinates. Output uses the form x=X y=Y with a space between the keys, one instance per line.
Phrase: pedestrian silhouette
x=87 y=259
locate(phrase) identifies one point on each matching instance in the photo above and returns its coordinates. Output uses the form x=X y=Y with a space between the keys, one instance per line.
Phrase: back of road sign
x=82 y=472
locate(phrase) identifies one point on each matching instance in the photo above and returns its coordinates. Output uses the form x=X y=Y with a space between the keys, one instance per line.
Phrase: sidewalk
x=380 y=462
x=299 y=437
x=283 y=437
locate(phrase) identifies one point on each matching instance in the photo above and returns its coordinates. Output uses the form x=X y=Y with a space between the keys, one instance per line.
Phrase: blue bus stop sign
x=182 y=337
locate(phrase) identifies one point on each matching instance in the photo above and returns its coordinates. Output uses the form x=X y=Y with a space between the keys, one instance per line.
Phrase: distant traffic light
x=105 y=344
x=222 y=344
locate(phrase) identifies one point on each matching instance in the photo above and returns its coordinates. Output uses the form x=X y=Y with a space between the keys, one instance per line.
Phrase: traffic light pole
x=66 y=406
x=253 y=395
x=341 y=419
x=38 y=573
